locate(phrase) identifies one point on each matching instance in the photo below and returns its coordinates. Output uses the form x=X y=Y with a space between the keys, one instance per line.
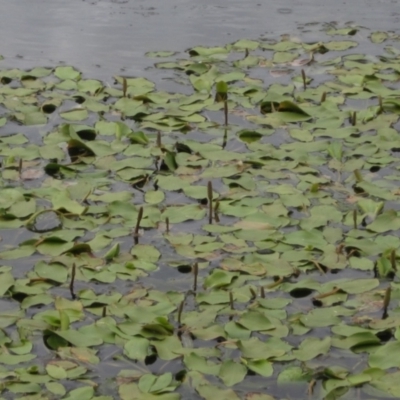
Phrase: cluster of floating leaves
x=279 y=201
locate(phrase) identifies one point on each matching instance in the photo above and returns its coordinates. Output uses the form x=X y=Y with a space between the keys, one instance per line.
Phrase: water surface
x=101 y=37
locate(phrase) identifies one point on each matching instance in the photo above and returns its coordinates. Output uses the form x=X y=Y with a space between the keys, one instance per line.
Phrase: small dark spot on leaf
x=19 y=297
x=52 y=169
x=79 y=99
x=182 y=148
x=385 y=335
x=184 y=269
x=150 y=359
x=87 y=134
x=358 y=190
x=48 y=108
x=335 y=271
x=375 y=168
x=180 y=376
x=265 y=251
x=364 y=222
x=298 y=293
x=163 y=166
x=390 y=275
x=316 y=302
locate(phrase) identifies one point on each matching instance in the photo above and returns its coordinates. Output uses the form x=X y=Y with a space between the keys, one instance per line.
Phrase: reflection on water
x=114 y=34
x=284 y=10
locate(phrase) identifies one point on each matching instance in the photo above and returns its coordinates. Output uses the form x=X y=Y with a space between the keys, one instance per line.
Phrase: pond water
x=100 y=37
x=286 y=202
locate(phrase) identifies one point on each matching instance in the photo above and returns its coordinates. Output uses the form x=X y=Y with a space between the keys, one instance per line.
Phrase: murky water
x=104 y=37
x=101 y=37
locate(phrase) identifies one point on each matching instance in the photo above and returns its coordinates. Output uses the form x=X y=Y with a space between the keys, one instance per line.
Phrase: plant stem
x=195 y=273
x=226 y=112
x=210 y=200
x=180 y=309
x=71 y=284
x=139 y=219
x=355 y=218
x=124 y=86
x=303 y=75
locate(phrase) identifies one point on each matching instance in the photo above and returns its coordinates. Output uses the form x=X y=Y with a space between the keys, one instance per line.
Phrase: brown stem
x=380 y=104
x=386 y=302
x=139 y=219
x=84 y=200
x=355 y=218
x=311 y=385
x=124 y=86
x=327 y=294
x=352 y=251
x=303 y=75
x=216 y=216
x=167 y=224
x=231 y=301
x=225 y=138
x=354 y=119
x=318 y=267
x=226 y=112
x=158 y=139
x=180 y=309
x=71 y=284
x=276 y=283
x=195 y=273
x=210 y=200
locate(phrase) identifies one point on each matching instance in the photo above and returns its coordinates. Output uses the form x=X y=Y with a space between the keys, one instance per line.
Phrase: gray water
x=101 y=37
x=104 y=37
